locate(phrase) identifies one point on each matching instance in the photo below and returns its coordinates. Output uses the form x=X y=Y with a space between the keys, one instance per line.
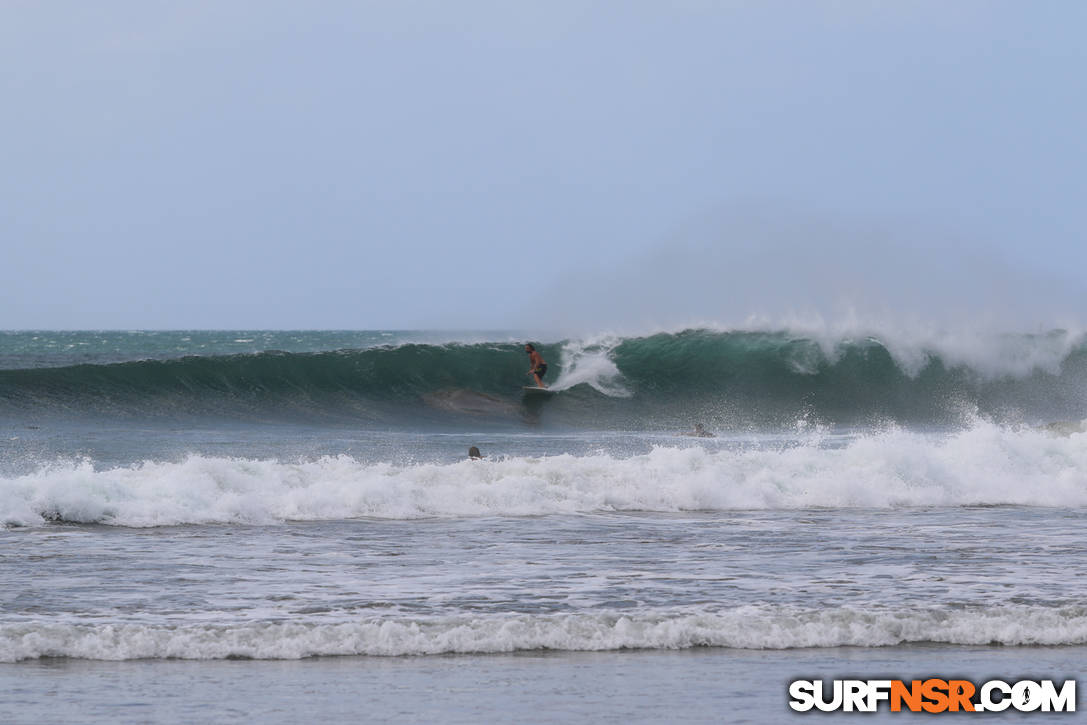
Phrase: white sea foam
x=985 y=350
x=986 y=464
x=989 y=353
x=747 y=627
x=589 y=361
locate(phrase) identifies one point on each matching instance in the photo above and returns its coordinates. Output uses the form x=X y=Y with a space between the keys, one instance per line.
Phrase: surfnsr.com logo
x=933 y=695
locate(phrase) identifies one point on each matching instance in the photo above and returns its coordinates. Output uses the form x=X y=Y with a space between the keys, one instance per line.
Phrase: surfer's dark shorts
x=541 y=370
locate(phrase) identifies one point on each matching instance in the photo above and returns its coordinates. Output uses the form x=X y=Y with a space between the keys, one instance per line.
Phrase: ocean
x=240 y=526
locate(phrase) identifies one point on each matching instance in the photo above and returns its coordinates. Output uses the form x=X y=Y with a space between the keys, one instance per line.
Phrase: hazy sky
x=530 y=165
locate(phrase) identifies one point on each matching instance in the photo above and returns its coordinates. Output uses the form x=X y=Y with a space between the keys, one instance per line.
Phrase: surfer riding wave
x=539 y=365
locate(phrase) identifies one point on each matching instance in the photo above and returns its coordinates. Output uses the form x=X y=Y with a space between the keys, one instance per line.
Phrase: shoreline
x=688 y=686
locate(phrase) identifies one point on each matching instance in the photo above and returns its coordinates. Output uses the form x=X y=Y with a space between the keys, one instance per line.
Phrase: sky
x=508 y=165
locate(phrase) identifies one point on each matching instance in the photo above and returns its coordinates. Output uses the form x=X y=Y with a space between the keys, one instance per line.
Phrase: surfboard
x=533 y=390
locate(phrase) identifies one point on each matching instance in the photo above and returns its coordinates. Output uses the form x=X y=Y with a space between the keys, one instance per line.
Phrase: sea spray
x=589 y=362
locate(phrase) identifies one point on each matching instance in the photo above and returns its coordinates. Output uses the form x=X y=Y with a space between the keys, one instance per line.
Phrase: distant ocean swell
x=746 y=627
x=983 y=465
x=739 y=378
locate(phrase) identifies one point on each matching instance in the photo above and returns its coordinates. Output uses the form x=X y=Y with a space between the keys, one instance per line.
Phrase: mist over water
x=768 y=267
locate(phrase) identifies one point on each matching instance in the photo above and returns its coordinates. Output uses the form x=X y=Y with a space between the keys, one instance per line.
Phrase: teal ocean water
x=383 y=380
x=297 y=510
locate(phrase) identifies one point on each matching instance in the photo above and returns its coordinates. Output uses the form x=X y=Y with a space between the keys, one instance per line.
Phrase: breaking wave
x=723 y=377
x=983 y=465
x=747 y=627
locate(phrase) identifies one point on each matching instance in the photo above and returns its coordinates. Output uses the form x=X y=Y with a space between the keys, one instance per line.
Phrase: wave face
x=724 y=379
x=984 y=465
x=747 y=627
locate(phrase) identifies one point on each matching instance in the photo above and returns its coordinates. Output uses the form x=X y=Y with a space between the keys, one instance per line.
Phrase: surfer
x=539 y=367
x=474 y=454
x=698 y=432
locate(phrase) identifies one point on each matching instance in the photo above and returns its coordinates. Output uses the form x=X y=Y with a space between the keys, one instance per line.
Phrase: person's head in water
x=699 y=428
x=530 y=348
x=474 y=453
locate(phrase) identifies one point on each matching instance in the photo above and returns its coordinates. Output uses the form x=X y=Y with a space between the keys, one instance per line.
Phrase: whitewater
x=298 y=507
x=982 y=465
